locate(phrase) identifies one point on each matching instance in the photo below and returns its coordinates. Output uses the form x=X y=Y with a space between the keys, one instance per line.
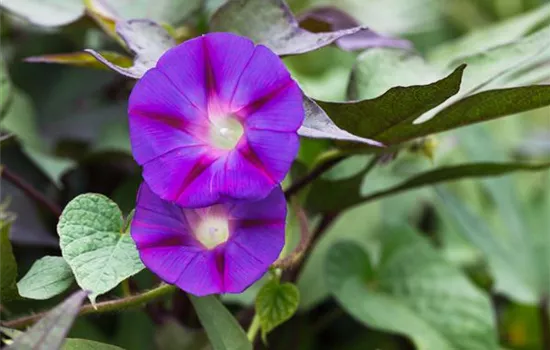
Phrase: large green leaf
x=323 y=198
x=94 y=244
x=47 y=277
x=500 y=33
x=385 y=116
x=47 y=13
x=223 y=330
x=8 y=265
x=413 y=292
x=49 y=333
x=276 y=303
x=272 y=24
x=85 y=344
x=162 y=11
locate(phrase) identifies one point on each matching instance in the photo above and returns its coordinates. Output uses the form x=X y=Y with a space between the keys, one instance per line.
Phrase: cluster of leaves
x=381 y=271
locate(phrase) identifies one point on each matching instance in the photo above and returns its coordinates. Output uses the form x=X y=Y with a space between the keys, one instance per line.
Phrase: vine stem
x=30 y=191
x=312 y=175
x=102 y=307
x=253 y=329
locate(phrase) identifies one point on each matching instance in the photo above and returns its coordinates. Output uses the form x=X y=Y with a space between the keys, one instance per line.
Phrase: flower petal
x=228 y=56
x=264 y=74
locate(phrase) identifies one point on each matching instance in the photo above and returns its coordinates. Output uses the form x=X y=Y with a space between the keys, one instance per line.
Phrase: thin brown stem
x=312 y=175
x=30 y=191
x=106 y=306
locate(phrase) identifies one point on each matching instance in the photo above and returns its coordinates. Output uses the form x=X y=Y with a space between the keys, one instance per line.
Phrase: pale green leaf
x=50 y=332
x=47 y=277
x=94 y=244
x=223 y=330
x=6 y=88
x=276 y=303
x=47 y=13
x=412 y=287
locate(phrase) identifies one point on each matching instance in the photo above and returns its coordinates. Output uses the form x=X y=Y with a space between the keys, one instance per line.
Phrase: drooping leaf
x=161 y=11
x=272 y=24
x=8 y=265
x=328 y=19
x=317 y=124
x=146 y=39
x=83 y=59
x=85 y=344
x=47 y=277
x=383 y=117
x=49 y=333
x=223 y=330
x=47 y=13
x=498 y=34
x=6 y=88
x=276 y=303
x=409 y=292
x=322 y=197
x=92 y=241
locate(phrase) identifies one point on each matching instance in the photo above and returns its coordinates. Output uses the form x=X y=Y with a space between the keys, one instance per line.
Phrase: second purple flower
x=215 y=120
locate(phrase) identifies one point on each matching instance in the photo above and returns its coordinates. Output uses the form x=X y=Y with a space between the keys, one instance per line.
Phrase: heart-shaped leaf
x=8 y=265
x=47 y=13
x=411 y=288
x=223 y=330
x=49 y=333
x=47 y=277
x=146 y=39
x=276 y=303
x=272 y=24
x=94 y=244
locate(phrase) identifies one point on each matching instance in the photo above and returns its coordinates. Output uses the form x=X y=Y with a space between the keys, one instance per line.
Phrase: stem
x=125 y=285
x=106 y=306
x=30 y=191
x=305 y=240
x=253 y=329
x=544 y=315
x=314 y=174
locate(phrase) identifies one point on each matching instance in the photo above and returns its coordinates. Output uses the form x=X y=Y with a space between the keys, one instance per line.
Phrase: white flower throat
x=225 y=132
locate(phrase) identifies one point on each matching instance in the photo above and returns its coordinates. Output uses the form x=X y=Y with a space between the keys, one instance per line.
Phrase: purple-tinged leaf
x=146 y=39
x=318 y=125
x=333 y=19
x=50 y=332
x=272 y=24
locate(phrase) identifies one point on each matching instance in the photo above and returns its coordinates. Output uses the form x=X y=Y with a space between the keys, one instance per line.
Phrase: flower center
x=212 y=232
x=225 y=132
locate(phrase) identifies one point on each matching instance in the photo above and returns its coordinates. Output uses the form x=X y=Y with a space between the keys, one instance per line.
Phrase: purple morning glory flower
x=218 y=249
x=216 y=119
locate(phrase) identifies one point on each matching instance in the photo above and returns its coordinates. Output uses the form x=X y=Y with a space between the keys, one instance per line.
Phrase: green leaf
x=85 y=344
x=82 y=59
x=223 y=330
x=47 y=13
x=384 y=117
x=47 y=277
x=49 y=333
x=7 y=89
x=172 y=335
x=272 y=24
x=498 y=34
x=516 y=262
x=276 y=303
x=162 y=11
x=323 y=198
x=146 y=39
x=413 y=292
x=94 y=245
x=8 y=265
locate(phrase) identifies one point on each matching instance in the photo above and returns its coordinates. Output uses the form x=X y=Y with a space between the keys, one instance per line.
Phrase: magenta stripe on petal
x=171 y=247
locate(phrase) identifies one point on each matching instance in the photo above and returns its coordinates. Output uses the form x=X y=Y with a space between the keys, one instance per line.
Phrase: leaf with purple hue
x=320 y=19
x=50 y=332
x=272 y=24
x=146 y=39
